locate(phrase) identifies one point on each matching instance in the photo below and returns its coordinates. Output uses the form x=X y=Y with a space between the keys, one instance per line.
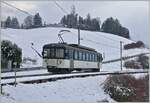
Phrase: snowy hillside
x=104 y=43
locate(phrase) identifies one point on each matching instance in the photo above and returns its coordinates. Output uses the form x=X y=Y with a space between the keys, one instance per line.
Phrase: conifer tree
x=15 y=23
x=8 y=22
x=37 y=20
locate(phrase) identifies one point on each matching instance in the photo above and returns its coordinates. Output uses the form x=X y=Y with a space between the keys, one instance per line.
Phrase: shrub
x=144 y=60
x=132 y=64
x=138 y=44
x=126 y=88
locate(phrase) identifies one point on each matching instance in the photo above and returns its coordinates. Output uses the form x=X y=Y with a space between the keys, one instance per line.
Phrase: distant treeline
x=110 y=25
x=29 y=22
x=71 y=20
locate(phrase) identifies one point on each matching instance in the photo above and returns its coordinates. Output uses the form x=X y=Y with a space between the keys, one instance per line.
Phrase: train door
x=98 y=61
x=71 y=59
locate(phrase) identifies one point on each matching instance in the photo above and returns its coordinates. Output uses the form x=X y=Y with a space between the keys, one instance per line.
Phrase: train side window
x=76 y=55
x=87 y=56
x=83 y=54
x=67 y=55
x=52 y=52
x=91 y=57
x=94 y=58
x=71 y=55
x=80 y=55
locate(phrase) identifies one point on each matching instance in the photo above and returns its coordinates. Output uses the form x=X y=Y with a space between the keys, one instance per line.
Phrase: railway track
x=41 y=78
x=33 y=75
x=22 y=69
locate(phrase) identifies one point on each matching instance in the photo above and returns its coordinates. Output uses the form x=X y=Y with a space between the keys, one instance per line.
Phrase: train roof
x=68 y=45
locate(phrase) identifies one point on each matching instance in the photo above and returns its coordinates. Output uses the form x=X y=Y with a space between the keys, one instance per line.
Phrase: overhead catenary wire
x=61 y=8
x=23 y=11
x=99 y=43
x=98 y=35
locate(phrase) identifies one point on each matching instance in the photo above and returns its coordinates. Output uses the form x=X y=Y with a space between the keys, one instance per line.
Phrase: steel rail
x=42 y=80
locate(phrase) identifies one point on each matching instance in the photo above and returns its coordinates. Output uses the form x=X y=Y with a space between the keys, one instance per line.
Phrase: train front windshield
x=53 y=53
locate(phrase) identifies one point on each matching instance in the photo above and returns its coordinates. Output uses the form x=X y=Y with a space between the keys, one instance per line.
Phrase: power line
x=25 y=12
x=101 y=43
x=107 y=38
x=61 y=8
x=97 y=42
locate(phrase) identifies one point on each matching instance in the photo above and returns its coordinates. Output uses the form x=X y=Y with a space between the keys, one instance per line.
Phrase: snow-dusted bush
x=126 y=88
x=141 y=62
x=132 y=64
x=138 y=44
x=144 y=60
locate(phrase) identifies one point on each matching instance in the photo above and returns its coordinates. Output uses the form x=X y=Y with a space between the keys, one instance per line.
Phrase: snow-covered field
x=85 y=90
x=80 y=90
x=105 y=43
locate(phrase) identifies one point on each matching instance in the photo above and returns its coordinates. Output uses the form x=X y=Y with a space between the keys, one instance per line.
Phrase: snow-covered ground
x=105 y=43
x=85 y=90
x=80 y=90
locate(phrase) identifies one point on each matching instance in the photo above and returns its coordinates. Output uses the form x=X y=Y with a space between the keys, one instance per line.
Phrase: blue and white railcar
x=64 y=58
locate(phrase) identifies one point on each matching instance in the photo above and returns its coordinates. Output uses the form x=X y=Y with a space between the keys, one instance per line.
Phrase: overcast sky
x=132 y=14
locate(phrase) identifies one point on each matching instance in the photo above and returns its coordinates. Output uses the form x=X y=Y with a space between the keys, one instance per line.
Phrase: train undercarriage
x=55 y=70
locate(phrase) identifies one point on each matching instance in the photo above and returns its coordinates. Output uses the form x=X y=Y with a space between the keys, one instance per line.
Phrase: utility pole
x=15 y=63
x=79 y=34
x=78 y=31
x=121 y=55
